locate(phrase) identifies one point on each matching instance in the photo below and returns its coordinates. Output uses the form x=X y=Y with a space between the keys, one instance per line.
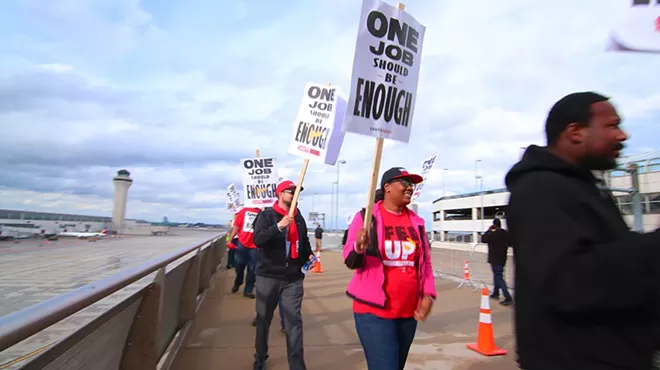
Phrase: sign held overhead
x=385 y=72
x=638 y=30
x=317 y=133
x=259 y=181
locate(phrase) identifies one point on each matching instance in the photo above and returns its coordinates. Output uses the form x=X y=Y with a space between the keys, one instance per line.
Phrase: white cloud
x=57 y=67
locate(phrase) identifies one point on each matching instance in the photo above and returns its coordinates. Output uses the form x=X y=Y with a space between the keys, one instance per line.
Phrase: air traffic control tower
x=122 y=182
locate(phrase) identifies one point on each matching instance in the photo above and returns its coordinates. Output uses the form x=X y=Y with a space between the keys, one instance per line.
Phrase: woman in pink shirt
x=393 y=286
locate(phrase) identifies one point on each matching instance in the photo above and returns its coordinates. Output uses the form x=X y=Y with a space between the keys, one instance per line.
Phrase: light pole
x=476 y=163
x=481 y=196
x=341 y=161
x=476 y=178
x=332 y=202
x=313 y=195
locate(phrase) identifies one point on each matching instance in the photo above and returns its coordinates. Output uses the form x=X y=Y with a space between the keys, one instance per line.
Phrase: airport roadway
x=32 y=271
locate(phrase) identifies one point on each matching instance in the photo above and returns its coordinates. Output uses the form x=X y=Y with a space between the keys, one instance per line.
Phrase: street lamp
x=332 y=212
x=475 y=171
x=476 y=178
x=313 y=195
x=341 y=161
x=481 y=196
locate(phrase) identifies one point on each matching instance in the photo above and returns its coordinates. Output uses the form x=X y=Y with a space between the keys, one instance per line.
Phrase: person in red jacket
x=393 y=286
x=246 y=250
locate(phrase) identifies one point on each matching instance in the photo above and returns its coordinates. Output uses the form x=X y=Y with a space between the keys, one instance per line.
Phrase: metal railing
x=142 y=331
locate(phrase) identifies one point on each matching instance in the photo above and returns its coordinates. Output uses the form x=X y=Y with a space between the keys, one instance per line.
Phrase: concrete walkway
x=223 y=337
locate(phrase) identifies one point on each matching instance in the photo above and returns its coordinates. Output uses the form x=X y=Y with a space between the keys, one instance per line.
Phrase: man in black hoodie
x=283 y=250
x=587 y=287
x=498 y=244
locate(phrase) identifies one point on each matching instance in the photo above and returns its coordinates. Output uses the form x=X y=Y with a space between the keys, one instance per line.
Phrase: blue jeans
x=386 y=342
x=245 y=257
x=230 y=257
x=499 y=282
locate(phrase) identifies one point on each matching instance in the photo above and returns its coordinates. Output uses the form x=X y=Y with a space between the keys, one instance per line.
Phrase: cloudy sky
x=177 y=92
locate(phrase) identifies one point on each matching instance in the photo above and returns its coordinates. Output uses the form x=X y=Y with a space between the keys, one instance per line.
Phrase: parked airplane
x=83 y=235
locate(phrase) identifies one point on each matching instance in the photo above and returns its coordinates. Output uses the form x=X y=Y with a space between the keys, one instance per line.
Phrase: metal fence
x=143 y=331
x=449 y=262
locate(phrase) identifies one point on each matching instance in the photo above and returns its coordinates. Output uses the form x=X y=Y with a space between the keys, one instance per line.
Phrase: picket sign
x=384 y=80
x=375 y=168
x=638 y=30
x=427 y=165
x=301 y=179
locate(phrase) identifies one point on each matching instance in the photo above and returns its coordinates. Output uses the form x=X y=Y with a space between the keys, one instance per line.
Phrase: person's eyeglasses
x=405 y=183
x=288 y=191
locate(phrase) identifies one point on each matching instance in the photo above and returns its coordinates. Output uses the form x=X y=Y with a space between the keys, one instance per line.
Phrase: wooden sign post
x=375 y=168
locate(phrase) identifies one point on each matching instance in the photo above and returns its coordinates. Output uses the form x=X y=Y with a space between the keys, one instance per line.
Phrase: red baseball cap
x=399 y=173
x=285 y=185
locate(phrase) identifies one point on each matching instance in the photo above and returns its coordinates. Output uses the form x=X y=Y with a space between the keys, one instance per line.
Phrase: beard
x=598 y=163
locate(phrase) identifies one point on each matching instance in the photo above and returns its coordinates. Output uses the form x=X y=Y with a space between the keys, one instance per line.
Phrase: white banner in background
x=638 y=30
x=388 y=55
x=259 y=181
x=427 y=165
x=234 y=197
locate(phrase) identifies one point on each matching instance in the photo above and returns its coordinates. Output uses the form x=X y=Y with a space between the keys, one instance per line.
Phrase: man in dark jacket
x=498 y=244
x=586 y=285
x=283 y=250
x=318 y=235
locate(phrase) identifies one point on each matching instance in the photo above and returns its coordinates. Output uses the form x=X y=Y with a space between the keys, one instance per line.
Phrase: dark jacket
x=586 y=286
x=318 y=233
x=273 y=260
x=498 y=244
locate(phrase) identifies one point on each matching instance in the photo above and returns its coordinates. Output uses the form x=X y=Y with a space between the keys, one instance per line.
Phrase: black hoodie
x=587 y=288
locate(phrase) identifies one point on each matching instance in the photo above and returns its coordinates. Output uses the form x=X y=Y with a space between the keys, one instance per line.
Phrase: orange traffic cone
x=485 y=338
x=466 y=276
x=317 y=268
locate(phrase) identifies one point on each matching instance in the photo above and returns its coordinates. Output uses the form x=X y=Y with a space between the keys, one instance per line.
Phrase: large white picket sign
x=427 y=165
x=260 y=181
x=386 y=65
x=317 y=133
x=639 y=28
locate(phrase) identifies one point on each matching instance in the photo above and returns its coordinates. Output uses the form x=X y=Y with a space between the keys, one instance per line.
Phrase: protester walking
x=284 y=248
x=231 y=250
x=245 y=256
x=587 y=287
x=498 y=245
x=393 y=285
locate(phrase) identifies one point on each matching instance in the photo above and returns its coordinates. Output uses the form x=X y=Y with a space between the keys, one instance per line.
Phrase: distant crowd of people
x=587 y=292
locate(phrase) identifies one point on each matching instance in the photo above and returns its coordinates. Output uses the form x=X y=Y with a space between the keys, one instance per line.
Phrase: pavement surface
x=223 y=338
x=32 y=271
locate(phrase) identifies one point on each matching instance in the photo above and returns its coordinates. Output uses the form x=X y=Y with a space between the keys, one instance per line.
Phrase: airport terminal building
x=458 y=218
x=22 y=223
